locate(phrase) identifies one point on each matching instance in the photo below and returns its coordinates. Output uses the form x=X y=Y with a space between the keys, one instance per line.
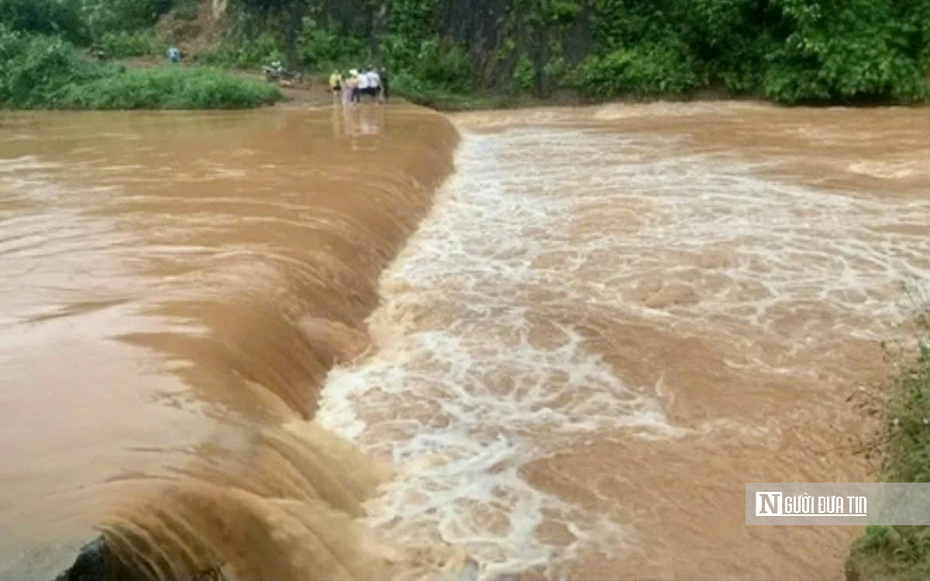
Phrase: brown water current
x=597 y=329
x=175 y=287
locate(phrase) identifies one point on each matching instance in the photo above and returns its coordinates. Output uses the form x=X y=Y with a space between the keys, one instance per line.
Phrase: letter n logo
x=768 y=504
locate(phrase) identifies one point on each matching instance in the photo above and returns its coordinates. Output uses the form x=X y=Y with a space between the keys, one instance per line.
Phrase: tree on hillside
x=290 y=14
x=45 y=17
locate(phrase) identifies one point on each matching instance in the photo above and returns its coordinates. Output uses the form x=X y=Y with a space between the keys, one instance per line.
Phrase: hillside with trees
x=53 y=55
x=789 y=51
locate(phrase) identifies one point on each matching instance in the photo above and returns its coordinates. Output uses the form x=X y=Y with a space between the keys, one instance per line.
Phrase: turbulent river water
x=381 y=343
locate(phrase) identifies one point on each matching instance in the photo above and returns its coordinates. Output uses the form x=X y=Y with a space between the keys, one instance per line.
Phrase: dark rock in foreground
x=95 y=562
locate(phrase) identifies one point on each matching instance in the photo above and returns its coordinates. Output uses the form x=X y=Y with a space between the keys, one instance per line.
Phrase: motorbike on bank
x=276 y=72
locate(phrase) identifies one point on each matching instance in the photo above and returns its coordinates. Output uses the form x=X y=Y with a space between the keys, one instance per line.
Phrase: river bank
x=46 y=72
x=49 y=73
x=901 y=553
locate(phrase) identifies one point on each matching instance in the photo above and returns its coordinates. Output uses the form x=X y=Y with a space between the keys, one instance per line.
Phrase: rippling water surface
x=608 y=322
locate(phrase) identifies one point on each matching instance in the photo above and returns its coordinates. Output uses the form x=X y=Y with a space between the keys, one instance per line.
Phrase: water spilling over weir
x=599 y=326
x=178 y=286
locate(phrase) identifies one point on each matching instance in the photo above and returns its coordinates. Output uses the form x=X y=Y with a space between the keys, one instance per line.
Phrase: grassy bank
x=46 y=72
x=169 y=88
x=902 y=553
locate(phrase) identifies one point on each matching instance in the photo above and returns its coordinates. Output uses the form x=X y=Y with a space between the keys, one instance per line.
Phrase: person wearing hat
x=350 y=88
x=335 y=85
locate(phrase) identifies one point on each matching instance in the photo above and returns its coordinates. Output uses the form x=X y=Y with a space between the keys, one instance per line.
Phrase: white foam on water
x=887 y=170
x=468 y=394
x=482 y=365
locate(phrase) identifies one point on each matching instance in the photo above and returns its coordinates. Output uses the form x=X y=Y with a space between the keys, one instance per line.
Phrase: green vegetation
x=49 y=17
x=125 y=44
x=902 y=553
x=169 y=88
x=790 y=51
x=514 y=51
x=38 y=71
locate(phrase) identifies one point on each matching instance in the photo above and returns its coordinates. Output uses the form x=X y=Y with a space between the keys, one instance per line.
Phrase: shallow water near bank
x=608 y=320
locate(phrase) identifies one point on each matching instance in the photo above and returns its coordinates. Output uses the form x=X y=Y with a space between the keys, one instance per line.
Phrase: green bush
x=397 y=52
x=104 y=16
x=650 y=69
x=792 y=51
x=441 y=65
x=413 y=20
x=430 y=66
x=58 y=17
x=111 y=22
x=34 y=69
x=130 y=44
x=524 y=76
x=731 y=39
x=169 y=88
x=243 y=52
x=563 y=13
x=860 y=51
x=325 y=49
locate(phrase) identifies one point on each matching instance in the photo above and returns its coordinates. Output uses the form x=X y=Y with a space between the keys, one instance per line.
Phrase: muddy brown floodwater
x=543 y=344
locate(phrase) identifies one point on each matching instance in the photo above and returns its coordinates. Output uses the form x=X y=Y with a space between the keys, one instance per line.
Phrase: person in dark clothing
x=384 y=83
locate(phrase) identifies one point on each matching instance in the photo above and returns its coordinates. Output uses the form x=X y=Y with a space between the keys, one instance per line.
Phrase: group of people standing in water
x=351 y=88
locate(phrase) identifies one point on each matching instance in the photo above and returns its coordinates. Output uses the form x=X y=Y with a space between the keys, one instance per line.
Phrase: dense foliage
x=82 y=21
x=34 y=69
x=39 y=71
x=57 y=17
x=792 y=51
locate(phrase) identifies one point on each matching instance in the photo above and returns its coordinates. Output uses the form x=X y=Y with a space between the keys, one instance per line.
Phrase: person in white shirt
x=374 y=83
x=363 y=85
